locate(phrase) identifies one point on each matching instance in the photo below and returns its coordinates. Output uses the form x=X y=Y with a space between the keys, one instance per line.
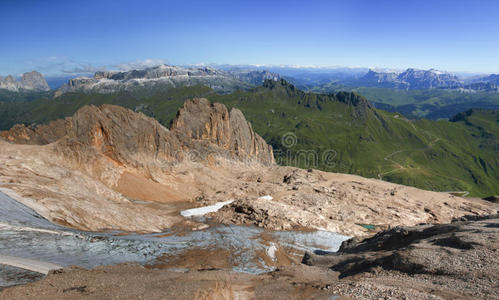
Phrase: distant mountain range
x=32 y=81
x=486 y=83
x=163 y=77
x=302 y=76
x=414 y=79
x=228 y=78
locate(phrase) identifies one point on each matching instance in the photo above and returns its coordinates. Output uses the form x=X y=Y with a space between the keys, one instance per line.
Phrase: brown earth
x=445 y=261
x=131 y=281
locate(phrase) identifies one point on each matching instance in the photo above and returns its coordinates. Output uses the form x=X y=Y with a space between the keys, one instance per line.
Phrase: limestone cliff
x=32 y=81
x=135 y=140
x=213 y=123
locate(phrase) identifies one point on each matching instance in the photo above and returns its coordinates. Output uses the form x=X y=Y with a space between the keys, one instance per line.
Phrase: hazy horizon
x=63 y=38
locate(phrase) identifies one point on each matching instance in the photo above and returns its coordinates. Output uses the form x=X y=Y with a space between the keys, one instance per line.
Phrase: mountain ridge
x=153 y=79
x=411 y=79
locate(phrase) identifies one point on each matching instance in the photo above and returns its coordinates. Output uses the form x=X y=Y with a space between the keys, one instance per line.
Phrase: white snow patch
x=266 y=197
x=271 y=251
x=199 y=211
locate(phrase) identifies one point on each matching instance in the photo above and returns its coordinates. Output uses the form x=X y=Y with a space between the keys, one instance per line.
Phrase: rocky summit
x=32 y=81
x=200 y=126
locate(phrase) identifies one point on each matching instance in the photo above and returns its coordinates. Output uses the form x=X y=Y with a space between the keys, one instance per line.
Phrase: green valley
x=431 y=104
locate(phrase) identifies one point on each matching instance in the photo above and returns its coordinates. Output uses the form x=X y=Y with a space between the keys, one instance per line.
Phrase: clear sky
x=77 y=36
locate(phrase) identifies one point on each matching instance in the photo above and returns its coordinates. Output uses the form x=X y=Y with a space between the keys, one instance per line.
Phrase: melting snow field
x=200 y=211
x=25 y=234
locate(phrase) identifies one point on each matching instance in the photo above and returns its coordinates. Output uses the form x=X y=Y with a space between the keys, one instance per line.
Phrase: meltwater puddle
x=25 y=234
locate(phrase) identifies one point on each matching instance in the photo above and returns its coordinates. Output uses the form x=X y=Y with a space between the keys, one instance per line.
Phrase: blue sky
x=69 y=37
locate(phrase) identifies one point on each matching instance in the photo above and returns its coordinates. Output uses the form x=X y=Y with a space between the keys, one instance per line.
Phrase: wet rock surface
x=451 y=261
x=133 y=281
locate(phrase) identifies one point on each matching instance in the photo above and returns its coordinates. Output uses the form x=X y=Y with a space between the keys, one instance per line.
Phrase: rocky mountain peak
x=132 y=139
x=280 y=84
x=34 y=80
x=200 y=120
x=31 y=81
x=255 y=77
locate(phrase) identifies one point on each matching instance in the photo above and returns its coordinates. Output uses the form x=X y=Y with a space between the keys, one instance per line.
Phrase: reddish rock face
x=133 y=139
x=201 y=121
x=39 y=135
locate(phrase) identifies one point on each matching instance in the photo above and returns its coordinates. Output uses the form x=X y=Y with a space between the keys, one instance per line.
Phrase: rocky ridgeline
x=32 y=81
x=255 y=77
x=414 y=79
x=200 y=129
x=155 y=79
x=87 y=171
x=411 y=79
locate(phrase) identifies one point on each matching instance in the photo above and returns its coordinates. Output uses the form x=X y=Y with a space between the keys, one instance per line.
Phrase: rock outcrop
x=116 y=155
x=456 y=260
x=133 y=139
x=348 y=204
x=37 y=135
x=213 y=123
x=32 y=81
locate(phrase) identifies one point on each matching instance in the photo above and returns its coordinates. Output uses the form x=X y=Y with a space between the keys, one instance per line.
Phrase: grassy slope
x=340 y=133
x=429 y=103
